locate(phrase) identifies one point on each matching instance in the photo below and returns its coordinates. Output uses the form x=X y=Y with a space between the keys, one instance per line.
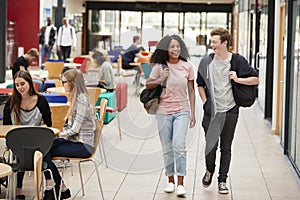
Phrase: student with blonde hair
x=77 y=139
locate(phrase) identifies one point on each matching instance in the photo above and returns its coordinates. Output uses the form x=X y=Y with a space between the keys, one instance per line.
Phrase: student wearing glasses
x=78 y=137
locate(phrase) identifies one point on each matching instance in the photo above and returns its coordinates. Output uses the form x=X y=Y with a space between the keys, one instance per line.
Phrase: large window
x=119 y=27
x=295 y=125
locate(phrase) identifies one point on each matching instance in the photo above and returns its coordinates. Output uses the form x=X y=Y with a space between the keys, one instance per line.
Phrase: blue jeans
x=45 y=53
x=64 y=148
x=172 y=132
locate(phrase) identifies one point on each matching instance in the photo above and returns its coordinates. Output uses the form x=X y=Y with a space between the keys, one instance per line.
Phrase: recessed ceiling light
x=208 y=2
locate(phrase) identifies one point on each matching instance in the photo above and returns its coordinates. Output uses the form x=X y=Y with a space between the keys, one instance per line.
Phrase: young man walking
x=220 y=110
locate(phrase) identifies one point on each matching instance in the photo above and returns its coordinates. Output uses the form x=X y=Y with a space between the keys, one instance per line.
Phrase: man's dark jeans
x=223 y=127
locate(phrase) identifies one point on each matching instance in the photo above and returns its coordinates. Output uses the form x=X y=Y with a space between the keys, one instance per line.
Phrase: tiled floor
x=259 y=171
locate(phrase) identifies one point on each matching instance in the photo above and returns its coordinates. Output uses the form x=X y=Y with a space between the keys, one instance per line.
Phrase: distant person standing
x=22 y=63
x=47 y=37
x=66 y=39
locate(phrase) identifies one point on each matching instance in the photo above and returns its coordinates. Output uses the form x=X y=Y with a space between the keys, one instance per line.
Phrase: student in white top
x=66 y=39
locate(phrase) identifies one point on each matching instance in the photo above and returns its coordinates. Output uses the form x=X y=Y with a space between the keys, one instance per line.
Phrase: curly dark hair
x=161 y=54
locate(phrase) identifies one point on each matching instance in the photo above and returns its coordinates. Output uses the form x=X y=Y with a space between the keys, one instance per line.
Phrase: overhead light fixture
x=208 y=2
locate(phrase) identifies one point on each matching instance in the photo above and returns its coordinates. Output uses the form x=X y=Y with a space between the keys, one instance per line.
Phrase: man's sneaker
x=180 y=190
x=206 y=180
x=223 y=188
x=170 y=188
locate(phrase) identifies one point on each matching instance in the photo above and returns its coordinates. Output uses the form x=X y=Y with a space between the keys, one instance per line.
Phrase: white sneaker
x=170 y=188
x=180 y=190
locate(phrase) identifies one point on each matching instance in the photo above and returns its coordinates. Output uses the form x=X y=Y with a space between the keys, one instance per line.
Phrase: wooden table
x=5 y=170
x=5 y=128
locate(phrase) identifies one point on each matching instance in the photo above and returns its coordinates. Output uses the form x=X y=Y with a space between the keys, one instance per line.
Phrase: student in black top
x=25 y=107
x=220 y=109
x=22 y=63
x=132 y=52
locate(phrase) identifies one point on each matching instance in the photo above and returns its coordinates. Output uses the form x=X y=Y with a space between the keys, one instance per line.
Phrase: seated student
x=22 y=63
x=78 y=137
x=105 y=75
x=25 y=107
x=132 y=52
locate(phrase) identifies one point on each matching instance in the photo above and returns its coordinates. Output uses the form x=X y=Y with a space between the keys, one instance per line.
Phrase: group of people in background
x=65 y=38
x=175 y=113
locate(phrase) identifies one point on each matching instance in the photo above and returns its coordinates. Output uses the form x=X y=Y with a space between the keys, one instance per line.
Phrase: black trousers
x=222 y=128
x=65 y=52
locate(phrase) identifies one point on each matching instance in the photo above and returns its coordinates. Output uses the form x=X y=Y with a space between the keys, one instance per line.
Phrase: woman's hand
x=164 y=74
x=192 y=121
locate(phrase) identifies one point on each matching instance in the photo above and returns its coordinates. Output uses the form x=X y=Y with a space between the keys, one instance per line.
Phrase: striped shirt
x=82 y=126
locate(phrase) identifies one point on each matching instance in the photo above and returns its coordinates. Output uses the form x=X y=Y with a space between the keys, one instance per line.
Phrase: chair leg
x=104 y=155
x=99 y=181
x=120 y=131
x=80 y=174
x=51 y=175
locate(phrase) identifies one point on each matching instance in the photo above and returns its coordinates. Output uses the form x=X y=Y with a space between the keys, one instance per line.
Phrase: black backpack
x=244 y=95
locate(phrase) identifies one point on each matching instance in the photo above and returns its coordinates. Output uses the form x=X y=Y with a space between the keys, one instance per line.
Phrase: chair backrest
x=146 y=69
x=58 y=114
x=58 y=83
x=54 y=69
x=24 y=141
x=38 y=160
x=115 y=54
x=99 y=124
x=84 y=63
x=152 y=44
x=103 y=105
x=94 y=93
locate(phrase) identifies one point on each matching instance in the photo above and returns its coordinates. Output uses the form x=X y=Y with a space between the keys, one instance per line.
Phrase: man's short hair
x=223 y=33
x=33 y=52
x=136 y=38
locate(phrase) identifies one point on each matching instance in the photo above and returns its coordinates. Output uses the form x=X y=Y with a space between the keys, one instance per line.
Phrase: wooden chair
x=23 y=142
x=38 y=160
x=54 y=69
x=58 y=114
x=99 y=124
x=58 y=83
x=94 y=93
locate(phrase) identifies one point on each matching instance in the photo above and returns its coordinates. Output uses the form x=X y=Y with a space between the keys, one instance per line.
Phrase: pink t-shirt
x=174 y=97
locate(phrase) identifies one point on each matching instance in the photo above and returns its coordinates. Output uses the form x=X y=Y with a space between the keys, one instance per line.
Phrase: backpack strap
x=164 y=83
x=233 y=62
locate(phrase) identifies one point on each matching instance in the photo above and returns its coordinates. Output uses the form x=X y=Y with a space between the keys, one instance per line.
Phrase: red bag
x=121 y=95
